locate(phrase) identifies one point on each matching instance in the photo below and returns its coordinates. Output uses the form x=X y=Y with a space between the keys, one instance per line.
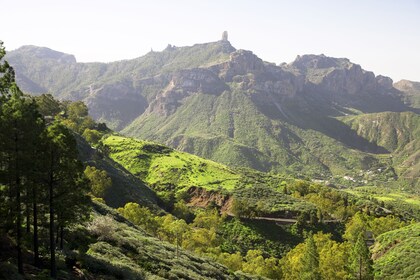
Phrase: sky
x=382 y=36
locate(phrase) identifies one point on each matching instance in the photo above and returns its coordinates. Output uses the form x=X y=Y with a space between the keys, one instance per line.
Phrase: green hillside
x=396 y=254
x=160 y=165
x=246 y=137
x=170 y=172
x=125 y=186
x=399 y=133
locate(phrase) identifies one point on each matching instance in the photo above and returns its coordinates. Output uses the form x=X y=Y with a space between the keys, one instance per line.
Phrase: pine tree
x=7 y=75
x=310 y=261
x=67 y=188
x=20 y=128
x=360 y=260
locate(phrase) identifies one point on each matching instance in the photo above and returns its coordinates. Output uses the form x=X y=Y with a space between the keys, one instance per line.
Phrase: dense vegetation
x=395 y=253
x=42 y=187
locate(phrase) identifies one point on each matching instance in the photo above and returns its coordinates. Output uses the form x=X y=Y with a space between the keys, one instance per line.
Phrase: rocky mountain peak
x=338 y=75
x=311 y=61
x=46 y=53
x=241 y=62
x=406 y=85
x=384 y=82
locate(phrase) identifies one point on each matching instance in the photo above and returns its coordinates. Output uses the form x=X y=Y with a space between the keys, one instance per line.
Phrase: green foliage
x=398 y=201
x=255 y=263
x=122 y=250
x=396 y=253
x=310 y=261
x=362 y=223
x=271 y=239
x=77 y=118
x=141 y=216
x=92 y=136
x=7 y=74
x=47 y=105
x=99 y=181
x=360 y=260
x=332 y=259
x=262 y=200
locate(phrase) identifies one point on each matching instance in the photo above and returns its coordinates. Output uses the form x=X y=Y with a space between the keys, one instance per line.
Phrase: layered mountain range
x=321 y=117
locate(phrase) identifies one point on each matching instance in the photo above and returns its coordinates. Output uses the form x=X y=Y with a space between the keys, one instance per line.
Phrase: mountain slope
x=410 y=92
x=395 y=254
x=230 y=106
x=173 y=173
x=115 y=92
x=399 y=133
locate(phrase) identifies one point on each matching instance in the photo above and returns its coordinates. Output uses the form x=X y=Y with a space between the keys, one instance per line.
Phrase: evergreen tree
x=7 y=75
x=20 y=129
x=64 y=179
x=99 y=181
x=360 y=260
x=310 y=261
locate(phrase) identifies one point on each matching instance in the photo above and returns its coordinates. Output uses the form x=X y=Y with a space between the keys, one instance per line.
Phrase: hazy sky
x=383 y=36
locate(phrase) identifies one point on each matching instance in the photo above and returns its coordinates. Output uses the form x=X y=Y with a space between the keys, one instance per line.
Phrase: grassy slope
x=127 y=250
x=243 y=136
x=397 y=254
x=160 y=165
x=165 y=169
x=125 y=187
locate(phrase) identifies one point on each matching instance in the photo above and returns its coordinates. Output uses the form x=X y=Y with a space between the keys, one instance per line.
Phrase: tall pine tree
x=360 y=260
x=310 y=261
x=64 y=178
x=20 y=128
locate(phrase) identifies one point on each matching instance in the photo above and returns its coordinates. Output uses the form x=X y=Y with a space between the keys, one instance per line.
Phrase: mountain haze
x=312 y=117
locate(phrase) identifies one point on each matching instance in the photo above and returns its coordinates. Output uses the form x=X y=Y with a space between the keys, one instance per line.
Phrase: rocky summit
x=315 y=116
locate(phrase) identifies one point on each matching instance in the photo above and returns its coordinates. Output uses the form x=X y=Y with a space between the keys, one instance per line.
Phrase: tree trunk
x=57 y=228
x=18 y=209
x=28 y=211
x=18 y=227
x=61 y=237
x=52 y=240
x=35 y=222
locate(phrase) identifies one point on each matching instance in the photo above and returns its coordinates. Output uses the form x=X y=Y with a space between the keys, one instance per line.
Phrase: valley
x=206 y=162
x=320 y=117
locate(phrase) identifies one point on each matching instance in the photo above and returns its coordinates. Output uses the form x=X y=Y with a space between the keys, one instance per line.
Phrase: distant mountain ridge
x=230 y=106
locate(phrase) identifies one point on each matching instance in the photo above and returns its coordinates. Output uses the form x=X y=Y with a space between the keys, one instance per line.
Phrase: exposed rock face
x=241 y=63
x=384 y=82
x=203 y=198
x=408 y=86
x=183 y=84
x=337 y=75
x=119 y=103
